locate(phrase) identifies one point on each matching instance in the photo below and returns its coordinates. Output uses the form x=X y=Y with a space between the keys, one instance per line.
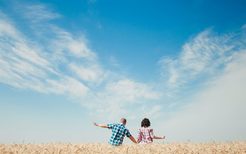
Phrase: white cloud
x=37 y=13
x=200 y=57
x=217 y=112
x=130 y=90
x=24 y=65
x=6 y=27
x=91 y=73
x=68 y=86
x=214 y=110
x=58 y=62
x=151 y=111
x=64 y=42
x=123 y=97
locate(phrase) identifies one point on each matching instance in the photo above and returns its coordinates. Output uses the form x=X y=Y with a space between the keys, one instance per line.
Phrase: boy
x=119 y=131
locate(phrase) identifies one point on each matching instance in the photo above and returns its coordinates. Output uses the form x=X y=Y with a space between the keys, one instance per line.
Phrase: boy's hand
x=101 y=125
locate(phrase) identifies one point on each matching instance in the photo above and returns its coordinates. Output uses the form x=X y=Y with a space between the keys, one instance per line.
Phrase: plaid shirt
x=145 y=135
x=118 y=133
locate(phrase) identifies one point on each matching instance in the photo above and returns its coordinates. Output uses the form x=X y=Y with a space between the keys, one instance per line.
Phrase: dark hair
x=145 y=122
x=123 y=120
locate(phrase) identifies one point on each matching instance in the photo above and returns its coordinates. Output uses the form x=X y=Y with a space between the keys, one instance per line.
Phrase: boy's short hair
x=123 y=120
x=145 y=122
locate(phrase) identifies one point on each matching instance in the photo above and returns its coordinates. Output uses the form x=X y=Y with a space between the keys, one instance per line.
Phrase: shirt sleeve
x=127 y=133
x=110 y=126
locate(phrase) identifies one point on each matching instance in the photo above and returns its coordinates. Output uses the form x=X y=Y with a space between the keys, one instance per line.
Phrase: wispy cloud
x=121 y=97
x=217 y=111
x=58 y=62
x=24 y=66
x=201 y=57
x=64 y=41
x=90 y=73
x=37 y=13
x=130 y=90
x=217 y=62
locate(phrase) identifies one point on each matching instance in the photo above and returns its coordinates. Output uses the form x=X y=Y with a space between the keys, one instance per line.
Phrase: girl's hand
x=95 y=124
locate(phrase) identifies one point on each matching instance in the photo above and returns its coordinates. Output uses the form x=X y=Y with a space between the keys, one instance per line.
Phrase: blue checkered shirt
x=118 y=133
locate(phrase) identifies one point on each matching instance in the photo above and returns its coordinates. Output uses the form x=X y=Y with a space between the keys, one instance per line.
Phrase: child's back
x=145 y=135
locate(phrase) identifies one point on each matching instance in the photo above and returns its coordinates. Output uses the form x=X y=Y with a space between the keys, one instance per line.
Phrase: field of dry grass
x=175 y=148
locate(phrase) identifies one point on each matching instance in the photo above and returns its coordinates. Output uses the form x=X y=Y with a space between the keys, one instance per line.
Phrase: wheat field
x=99 y=148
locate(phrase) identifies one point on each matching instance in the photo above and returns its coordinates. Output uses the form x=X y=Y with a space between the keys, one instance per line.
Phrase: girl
x=145 y=134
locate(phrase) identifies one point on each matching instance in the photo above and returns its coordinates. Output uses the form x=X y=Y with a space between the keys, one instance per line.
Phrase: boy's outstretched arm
x=133 y=139
x=101 y=125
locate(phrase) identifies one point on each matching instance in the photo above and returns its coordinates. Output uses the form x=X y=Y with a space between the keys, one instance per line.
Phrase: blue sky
x=66 y=64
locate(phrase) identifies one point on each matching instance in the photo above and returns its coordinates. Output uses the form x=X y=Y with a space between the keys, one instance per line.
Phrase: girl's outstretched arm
x=156 y=137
